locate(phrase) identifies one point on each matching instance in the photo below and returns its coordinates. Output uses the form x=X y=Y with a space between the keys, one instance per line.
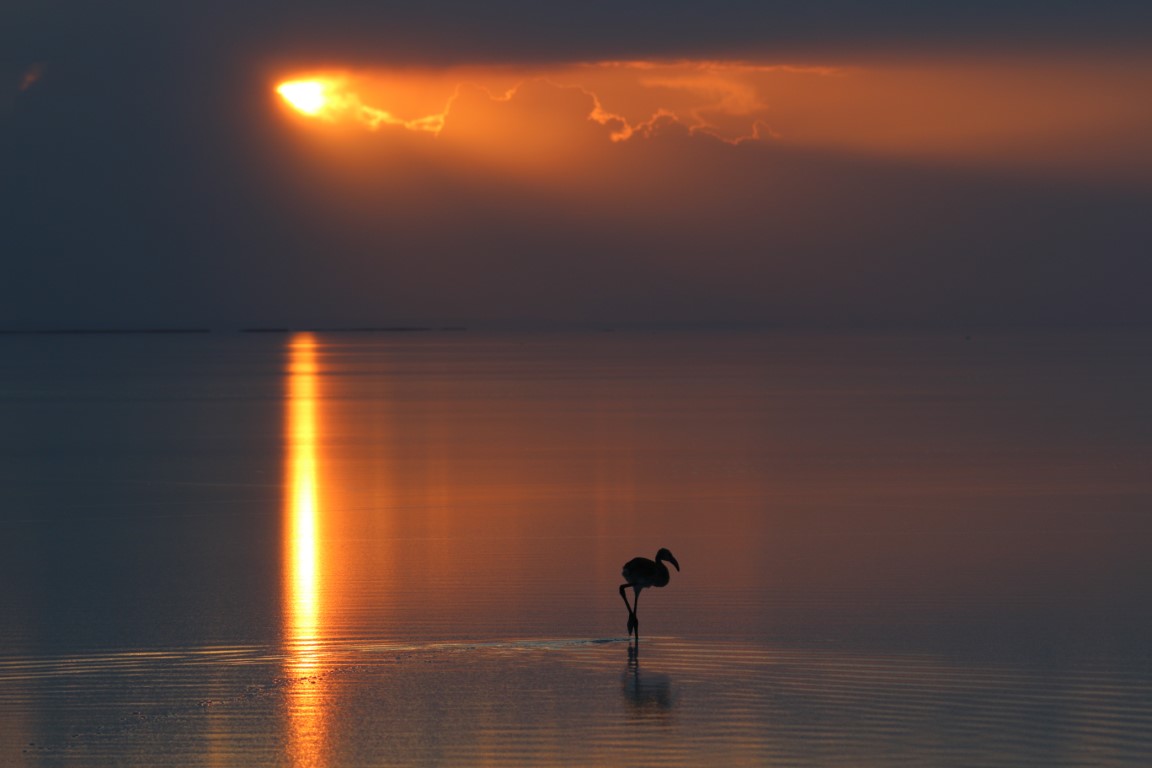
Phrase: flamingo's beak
x=673 y=561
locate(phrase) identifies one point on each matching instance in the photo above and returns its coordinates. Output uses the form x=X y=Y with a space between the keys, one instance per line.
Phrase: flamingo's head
x=664 y=554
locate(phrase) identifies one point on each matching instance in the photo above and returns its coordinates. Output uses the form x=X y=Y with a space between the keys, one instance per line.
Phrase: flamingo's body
x=639 y=573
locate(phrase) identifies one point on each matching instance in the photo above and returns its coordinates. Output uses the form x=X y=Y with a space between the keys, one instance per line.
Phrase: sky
x=585 y=164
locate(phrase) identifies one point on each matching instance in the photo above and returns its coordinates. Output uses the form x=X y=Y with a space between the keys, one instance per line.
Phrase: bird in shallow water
x=640 y=572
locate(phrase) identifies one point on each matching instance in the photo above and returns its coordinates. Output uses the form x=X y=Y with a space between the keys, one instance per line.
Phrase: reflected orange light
x=302 y=567
x=302 y=478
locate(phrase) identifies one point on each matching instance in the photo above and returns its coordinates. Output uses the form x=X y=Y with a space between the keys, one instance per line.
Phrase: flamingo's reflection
x=649 y=693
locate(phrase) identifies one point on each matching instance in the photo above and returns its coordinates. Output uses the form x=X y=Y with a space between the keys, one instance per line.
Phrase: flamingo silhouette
x=640 y=572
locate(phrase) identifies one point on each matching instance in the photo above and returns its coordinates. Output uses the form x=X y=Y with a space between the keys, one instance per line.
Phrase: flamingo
x=640 y=572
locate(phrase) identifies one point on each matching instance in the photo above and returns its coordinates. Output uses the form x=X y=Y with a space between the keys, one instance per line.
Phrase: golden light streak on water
x=302 y=565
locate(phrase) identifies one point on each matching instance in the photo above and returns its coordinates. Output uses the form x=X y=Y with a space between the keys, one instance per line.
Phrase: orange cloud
x=329 y=98
x=722 y=99
x=1054 y=114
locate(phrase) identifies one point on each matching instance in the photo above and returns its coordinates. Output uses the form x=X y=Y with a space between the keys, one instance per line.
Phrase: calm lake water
x=404 y=549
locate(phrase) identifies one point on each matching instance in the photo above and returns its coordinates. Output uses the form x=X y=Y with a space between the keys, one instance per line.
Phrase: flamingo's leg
x=631 y=613
x=633 y=621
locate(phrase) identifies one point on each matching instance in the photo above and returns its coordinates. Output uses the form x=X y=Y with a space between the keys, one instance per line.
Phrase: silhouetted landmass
x=102 y=331
x=114 y=331
x=366 y=329
x=390 y=329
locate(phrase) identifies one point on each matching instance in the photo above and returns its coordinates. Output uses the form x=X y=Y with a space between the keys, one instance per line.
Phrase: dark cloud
x=444 y=31
x=451 y=31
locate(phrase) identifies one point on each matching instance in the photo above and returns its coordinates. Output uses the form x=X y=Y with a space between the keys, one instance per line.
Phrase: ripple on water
x=563 y=701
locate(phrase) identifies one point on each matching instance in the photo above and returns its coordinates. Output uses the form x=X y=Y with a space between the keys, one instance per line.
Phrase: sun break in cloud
x=1063 y=115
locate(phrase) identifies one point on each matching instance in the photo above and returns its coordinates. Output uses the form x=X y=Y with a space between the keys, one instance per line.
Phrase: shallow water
x=341 y=549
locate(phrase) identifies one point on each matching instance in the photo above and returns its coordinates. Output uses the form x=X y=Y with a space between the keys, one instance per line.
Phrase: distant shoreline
x=366 y=329
x=98 y=331
x=128 y=331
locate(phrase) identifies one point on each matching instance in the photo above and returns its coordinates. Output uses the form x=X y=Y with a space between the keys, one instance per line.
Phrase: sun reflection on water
x=302 y=566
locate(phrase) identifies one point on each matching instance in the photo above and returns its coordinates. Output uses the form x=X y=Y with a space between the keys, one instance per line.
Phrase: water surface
x=342 y=549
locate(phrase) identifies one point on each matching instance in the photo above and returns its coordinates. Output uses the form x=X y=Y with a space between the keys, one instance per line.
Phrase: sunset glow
x=307 y=96
x=354 y=351
x=334 y=100
x=987 y=112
